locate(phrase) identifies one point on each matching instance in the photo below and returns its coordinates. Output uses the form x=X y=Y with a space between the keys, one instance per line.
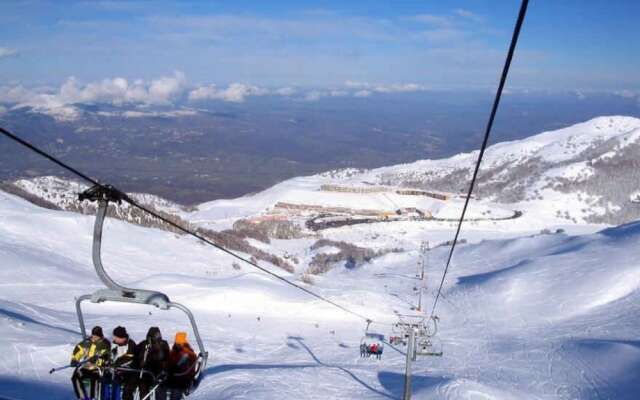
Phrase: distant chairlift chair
x=369 y=339
x=118 y=293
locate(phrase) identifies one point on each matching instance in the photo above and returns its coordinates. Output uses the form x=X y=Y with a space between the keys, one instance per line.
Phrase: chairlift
x=428 y=347
x=371 y=343
x=118 y=293
x=399 y=336
x=426 y=342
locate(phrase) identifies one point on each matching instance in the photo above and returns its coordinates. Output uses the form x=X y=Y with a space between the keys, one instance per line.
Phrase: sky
x=332 y=46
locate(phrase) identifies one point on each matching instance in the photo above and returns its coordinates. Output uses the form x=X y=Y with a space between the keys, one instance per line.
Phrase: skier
x=122 y=354
x=363 y=349
x=379 y=352
x=182 y=366
x=89 y=357
x=152 y=355
x=373 y=349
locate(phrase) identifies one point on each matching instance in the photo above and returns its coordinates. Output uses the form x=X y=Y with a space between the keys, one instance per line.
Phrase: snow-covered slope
x=63 y=193
x=582 y=173
x=539 y=316
x=526 y=313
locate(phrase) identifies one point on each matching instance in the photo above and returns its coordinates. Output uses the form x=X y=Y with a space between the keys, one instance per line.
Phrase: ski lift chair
x=118 y=293
x=370 y=338
x=427 y=347
x=426 y=342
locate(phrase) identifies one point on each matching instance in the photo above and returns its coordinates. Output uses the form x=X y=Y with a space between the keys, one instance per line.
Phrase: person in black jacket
x=152 y=355
x=122 y=355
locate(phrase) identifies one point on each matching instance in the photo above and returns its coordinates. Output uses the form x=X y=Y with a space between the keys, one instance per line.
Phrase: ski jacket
x=182 y=366
x=152 y=356
x=182 y=361
x=97 y=352
x=123 y=355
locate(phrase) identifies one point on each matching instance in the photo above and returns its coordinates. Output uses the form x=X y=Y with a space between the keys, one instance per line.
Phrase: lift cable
x=135 y=204
x=494 y=109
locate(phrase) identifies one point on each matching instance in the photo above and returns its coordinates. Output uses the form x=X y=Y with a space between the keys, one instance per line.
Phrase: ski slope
x=523 y=315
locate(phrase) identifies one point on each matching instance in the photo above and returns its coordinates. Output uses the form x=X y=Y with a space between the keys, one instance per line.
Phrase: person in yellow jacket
x=89 y=357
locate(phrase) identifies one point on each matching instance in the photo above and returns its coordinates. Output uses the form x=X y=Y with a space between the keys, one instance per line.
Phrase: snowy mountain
x=578 y=176
x=535 y=305
x=585 y=173
x=537 y=316
x=582 y=173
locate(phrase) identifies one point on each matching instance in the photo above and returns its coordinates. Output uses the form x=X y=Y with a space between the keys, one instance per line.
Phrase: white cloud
x=60 y=104
x=203 y=93
x=286 y=91
x=362 y=93
x=364 y=87
x=63 y=103
x=146 y=114
x=471 y=16
x=7 y=52
x=356 y=85
x=628 y=94
x=314 y=95
x=399 y=88
x=15 y=94
x=433 y=20
x=338 y=93
x=236 y=93
x=165 y=88
x=119 y=91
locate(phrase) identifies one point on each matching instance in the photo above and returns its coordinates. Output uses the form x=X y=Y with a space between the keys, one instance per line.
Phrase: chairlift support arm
x=115 y=291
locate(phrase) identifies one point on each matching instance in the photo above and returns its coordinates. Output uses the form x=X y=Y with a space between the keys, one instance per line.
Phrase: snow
x=552 y=146
x=575 y=171
x=63 y=192
x=525 y=313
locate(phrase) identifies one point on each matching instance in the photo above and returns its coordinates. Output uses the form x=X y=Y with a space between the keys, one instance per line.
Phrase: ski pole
x=152 y=391
x=81 y=363
x=60 y=368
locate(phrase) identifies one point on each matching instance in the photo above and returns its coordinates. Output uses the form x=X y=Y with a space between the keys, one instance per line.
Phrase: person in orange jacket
x=182 y=366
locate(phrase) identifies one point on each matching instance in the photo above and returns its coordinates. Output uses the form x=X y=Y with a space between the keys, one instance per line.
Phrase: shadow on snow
x=13 y=388
x=394 y=382
x=21 y=317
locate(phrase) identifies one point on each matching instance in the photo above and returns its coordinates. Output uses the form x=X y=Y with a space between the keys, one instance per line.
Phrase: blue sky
x=565 y=45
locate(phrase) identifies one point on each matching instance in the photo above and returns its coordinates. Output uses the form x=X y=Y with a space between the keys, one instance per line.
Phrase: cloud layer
x=62 y=103
x=168 y=92
x=236 y=93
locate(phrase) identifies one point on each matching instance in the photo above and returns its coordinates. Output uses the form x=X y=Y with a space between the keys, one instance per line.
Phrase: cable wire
x=494 y=110
x=173 y=224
